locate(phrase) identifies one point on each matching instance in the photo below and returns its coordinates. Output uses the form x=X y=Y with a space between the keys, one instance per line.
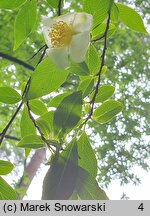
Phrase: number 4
x=141 y=207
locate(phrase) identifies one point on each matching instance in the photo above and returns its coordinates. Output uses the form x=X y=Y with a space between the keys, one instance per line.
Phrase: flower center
x=60 y=34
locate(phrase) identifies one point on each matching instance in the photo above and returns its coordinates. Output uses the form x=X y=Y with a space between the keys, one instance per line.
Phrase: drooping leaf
x=131 y=18
x=11 y=4
x=60 y=180
x=80 y=69
x=6 y=191
x=26 y=125
x=57 y=100
x=86 y=86
x=25 y=21
x=9 y=95
x=87 y=159
x=104 y=93
x=45 y=79
x=5 y=167
x=93 y=60
x=107 y=111
x=37 y=107
x=98 y=9
x=88 y=188
x=68 y=113
x=31 y=141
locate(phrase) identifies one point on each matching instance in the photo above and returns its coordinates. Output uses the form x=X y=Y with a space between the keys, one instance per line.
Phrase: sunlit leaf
x=37 y=107
x=80 y=69
x=11 y=4
x=5 y=167
x=131 y=18
x=98 y=9
x=53 y=3
x=6 y=191
x=25 y=21
x=107 y=111
x=86 y=86
x=114 y=13
x=93 y=59
x=98 y=32
x=104 y=93
x=31 y=141
x=54 y=102
x=45 y=122
x=45 y=79
x=26 y=125
x=9 y=95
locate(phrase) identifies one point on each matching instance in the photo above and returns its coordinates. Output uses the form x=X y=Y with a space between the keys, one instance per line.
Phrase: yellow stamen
x=60 y=34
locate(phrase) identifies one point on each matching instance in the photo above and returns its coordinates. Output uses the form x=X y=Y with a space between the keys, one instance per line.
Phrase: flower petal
x=78 y=46
x=59 y=57
x=47 y=22
x=46 y=36
x=82 y=22
x=67 y=18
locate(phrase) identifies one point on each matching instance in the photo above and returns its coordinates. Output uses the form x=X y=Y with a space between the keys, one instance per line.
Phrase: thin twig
x=2 y=135
x=92 y=102
x=11 y=137
x=37 y=51
x=16 y=60
x=43 y=54
x=59 y=7
x=38 y=128
x=99 y=38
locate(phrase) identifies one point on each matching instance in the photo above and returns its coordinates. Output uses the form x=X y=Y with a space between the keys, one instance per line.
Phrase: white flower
x=67 y=36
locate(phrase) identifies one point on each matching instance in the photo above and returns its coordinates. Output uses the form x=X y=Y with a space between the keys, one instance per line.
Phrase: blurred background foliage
x=120 y=144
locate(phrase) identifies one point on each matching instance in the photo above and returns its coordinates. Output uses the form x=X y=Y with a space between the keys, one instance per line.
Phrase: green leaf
x=87 y=159
x=131 y=18
x=104 y=93
x=37 y=107
x=45 y=122
x=26 y=125
x=31 y=141
x=114 y=13
x=98 y=9
x=86 y=86
x=53 y=3
x=74 y=196
x=80 y=69
x=6 y=191
x=107 y=111
x=5 y=167
x=98 y=32
x=25 y=21
x=60 y=180
x=11 y=4
x=87 y=187
x=93 y=59
x=68 y=113
x=1 y=196
x=9 y=95
x=57 y=100
x=46 y=79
